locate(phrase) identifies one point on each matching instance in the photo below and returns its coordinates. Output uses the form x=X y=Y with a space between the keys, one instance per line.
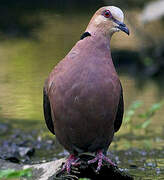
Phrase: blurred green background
x=36 y=35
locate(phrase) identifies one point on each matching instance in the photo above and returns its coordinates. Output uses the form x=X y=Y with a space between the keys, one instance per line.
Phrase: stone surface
x=46 y=170
x=52 y=170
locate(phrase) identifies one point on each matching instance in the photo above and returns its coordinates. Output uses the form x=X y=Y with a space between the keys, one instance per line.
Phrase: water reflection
x=25 y=65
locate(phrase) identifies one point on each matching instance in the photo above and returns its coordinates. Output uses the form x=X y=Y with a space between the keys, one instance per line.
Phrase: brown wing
x=120 y=112
x=47 y=111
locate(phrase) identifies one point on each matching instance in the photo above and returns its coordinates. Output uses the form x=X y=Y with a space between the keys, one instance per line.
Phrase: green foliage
x=151 y=111
x=84 y=179
x=130 y=113
x=147 y=144
x=146 y=116
x=143 y=125
x=139 y=123
x=11 y=173
x=147 y=61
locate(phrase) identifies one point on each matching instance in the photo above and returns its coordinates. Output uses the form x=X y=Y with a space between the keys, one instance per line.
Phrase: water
x=26 y=62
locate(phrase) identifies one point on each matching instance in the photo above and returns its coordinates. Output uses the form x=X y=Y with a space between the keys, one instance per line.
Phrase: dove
x=82 y=96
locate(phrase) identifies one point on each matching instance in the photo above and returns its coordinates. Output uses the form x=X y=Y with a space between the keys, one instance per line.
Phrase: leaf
x=131 y=111
x=128 y=116
x=155 y=107
x=148 y=61
x=136 y=104
x=138 y=126
x=147 y=143
x=127 y=145
x=144 y=115
x=146 y=123
x=11 y=173
x=152 y=110
x=5 y=173
x=143 y=125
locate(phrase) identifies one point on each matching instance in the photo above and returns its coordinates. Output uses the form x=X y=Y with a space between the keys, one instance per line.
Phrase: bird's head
x=107 y=20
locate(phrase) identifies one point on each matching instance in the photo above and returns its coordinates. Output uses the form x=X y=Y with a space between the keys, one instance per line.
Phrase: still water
x=26 y=62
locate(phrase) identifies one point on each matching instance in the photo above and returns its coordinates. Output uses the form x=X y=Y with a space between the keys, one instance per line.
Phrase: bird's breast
x=93 y=88
x=84 y=96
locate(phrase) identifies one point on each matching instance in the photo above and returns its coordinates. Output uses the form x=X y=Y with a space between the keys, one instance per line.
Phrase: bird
x=83 y=96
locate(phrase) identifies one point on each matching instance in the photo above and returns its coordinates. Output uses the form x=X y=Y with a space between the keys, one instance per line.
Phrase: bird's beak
x=121 y=26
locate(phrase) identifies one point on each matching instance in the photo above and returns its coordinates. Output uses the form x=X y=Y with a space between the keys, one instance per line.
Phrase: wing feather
x=120 y=112
x=47 y=111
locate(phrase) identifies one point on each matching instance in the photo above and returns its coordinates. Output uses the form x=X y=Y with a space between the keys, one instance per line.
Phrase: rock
x=44 y=171
x=26 y=151
x=85 y=170
x=12 y=159
x=3 y=128
x=14 y=152
x=52 y=170
x=9 y=165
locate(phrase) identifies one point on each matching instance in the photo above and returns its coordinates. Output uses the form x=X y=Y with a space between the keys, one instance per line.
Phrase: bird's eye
x=107 y=14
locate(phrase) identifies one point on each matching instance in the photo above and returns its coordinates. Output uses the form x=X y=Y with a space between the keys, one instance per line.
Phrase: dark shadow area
x=14 y=15
x=131 y=63
x=135 y=62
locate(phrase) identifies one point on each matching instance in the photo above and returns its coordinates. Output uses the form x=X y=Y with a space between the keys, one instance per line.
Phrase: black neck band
x=84 y=35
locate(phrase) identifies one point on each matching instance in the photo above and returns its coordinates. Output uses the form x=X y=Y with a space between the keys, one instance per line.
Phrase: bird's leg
x=71 y=161
x=100 y=157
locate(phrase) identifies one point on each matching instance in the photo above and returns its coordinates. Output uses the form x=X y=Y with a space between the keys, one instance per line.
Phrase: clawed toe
x=71 y=161
x=100 y=157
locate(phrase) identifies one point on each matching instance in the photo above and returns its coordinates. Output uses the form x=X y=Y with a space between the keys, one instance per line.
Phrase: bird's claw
x=100 y=157
x=71 y=161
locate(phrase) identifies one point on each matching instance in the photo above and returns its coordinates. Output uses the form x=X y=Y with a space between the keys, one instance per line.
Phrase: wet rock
x=133 y=166
x=20 y=146
x=85 y=170
x=141 y=168
x=52 y=170
x=44 y=171
x=143 y=153
x=12 y=159
x=26 y=151
x=8 y=165
x=14 y=152
x=158 y=171
x=63 y=153
x=3 y=128
x=150 y=164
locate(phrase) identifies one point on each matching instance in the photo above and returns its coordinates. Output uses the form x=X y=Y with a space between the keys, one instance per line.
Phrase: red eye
x=107 y=14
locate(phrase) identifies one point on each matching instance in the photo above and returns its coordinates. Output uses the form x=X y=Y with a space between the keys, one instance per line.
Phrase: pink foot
x=100 y=157
x=71 y=161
